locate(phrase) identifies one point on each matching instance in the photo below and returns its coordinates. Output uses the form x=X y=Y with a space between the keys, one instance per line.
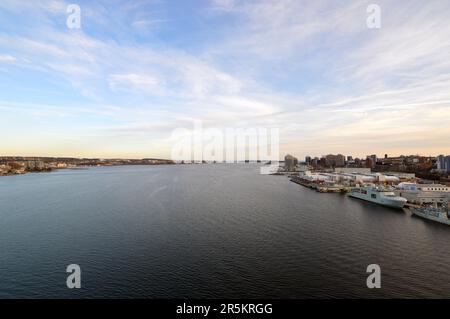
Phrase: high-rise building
x=323 y=161
x=443 y=163
x=440 y=162
x=370 y=161
x=290 y=162
x=335 y=160
x=329 y=160
x=340 y=160
x=308 y=160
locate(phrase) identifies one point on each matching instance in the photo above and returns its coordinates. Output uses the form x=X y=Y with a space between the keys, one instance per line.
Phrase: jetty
x=320 y=187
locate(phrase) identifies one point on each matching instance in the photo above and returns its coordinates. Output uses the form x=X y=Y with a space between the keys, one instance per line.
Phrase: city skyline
x=345 y=157
x=136 y=71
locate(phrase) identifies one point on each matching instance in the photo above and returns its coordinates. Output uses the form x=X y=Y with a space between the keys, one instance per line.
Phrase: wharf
x=320 y=187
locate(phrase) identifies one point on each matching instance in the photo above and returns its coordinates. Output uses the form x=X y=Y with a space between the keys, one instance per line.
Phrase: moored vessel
x=378 y=195
x=434 y=213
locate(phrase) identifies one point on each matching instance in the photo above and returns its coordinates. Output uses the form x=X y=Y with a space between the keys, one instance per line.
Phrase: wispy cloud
x=7 y=58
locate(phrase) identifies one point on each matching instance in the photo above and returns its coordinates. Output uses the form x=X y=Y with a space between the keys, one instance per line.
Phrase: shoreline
x=50 y=170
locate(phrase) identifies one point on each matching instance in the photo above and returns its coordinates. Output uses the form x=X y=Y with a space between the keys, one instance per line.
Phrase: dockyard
x=429 y=201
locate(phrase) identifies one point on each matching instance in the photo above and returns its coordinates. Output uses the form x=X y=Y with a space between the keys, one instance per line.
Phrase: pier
x=320 y=187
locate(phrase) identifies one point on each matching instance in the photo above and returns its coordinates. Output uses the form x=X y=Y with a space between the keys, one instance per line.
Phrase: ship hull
x=380 y=201
x=429 y=217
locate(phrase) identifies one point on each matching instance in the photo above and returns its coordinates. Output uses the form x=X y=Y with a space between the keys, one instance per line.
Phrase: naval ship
x=437 y=214
x=378 y=195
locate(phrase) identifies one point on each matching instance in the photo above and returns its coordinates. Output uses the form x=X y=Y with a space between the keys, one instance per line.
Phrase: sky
x=135 y=71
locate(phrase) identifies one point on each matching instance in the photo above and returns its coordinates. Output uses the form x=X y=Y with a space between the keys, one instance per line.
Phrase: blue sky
x=138 y=70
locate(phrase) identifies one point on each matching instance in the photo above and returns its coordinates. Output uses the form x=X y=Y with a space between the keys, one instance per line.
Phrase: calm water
x=207 y=231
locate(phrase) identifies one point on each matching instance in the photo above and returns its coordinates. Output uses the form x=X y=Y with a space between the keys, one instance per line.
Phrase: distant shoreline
x=28 y=165
x=18 y=165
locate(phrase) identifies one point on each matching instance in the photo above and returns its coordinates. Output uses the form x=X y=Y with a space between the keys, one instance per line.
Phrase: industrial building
x=353 y=177
x=424 y=193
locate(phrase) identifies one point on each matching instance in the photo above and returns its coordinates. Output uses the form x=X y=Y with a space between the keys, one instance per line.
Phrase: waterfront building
x=424 y=193
x=433 y=188
x=404 y=177
x=341 y=175
x=290 y=162
x=423 y=198
x=356 y=170
x=387 y=179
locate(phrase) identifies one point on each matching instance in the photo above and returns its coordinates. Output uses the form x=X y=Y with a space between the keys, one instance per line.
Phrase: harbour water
x=207 y=231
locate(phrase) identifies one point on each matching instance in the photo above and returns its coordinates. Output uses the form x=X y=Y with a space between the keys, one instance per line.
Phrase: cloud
x=134 y=81
x=7 y=58
x=145 y=24
x=223 y=5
